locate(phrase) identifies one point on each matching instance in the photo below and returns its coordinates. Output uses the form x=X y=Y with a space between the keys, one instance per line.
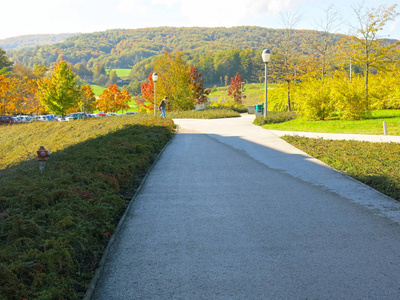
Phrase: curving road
x=231 y=211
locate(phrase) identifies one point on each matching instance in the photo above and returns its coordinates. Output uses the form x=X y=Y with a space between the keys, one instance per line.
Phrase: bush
x=274 y=117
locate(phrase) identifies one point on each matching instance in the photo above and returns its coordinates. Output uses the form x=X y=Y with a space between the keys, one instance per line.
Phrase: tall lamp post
x=266 y=56
x=155 y=78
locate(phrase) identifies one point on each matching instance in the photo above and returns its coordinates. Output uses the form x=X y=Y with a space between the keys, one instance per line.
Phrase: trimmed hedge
x=213 y=113
x=274 y=117
x=55 y=225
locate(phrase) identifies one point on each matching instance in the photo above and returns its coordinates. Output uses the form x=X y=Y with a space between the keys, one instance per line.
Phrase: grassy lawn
x=372 y=125
x=97 y=89
x=120 y=72
x=254 y=93
x=375 y=164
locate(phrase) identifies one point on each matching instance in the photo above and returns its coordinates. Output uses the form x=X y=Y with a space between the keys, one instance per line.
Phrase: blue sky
x=69 y=16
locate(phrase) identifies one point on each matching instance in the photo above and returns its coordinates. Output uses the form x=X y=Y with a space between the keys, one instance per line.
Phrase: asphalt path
x=231 y=211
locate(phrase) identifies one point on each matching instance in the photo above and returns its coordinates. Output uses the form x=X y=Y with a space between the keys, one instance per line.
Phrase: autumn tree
x=174 y=81
x=9 y=98
x=199 y=94
x=113 y=100
x=87 y=102
x=234 y=89
x=147 y=101
x=40 y=70
x=367 y=48
x=59 y=93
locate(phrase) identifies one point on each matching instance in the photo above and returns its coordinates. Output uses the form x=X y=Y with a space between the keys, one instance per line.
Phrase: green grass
x=97 y=89
x=55 y=225
x=375 y=164
x=120 y=72
x=254 y=93
x=372 y=125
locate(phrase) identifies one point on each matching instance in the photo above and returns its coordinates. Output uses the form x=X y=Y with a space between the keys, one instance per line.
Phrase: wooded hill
x=123 y=48
x=33 y=40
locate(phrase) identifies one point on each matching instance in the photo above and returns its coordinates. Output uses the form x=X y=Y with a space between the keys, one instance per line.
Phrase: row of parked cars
x=70 y=117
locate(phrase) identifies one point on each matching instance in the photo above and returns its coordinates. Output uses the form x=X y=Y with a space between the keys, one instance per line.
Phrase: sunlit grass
x=375 y=164
x=372 y=125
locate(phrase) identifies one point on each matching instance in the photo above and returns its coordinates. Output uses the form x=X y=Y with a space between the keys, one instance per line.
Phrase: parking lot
x=50 y=117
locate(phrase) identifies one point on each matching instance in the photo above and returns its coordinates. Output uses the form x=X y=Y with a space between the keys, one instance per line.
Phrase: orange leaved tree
x=113 y=100
x=9 y=95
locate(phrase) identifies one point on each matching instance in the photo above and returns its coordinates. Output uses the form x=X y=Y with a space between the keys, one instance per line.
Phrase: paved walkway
x=231 y=211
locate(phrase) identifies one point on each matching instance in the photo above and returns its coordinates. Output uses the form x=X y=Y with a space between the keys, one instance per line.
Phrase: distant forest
x=217 y=52
x=33 y=40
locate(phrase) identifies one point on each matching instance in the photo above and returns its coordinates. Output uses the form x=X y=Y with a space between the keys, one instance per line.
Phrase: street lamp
x=241 y=87
x=155 y=78
x=266 y=56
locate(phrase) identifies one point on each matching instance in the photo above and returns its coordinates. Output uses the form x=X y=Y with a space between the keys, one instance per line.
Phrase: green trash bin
x=259 y=109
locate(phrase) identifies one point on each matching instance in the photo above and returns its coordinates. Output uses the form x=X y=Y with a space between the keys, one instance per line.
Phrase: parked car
x=6 y=120
x=24 y=119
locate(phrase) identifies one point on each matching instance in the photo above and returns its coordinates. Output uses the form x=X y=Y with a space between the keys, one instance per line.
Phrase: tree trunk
x=288 y=95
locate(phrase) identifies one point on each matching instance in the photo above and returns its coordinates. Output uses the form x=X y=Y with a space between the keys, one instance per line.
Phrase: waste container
x=251 y=110
x=259 y=109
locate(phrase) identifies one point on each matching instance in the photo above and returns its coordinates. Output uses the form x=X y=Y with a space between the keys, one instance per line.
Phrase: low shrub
x=203 y=114
x=274 y=117
x=54 y=225
x=375 y=164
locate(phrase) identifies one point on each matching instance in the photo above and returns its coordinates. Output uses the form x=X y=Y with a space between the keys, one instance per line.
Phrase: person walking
x=163 y=106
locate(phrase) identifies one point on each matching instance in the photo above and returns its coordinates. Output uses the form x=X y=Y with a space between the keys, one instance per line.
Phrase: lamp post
x=266 y=56
x=155 y=78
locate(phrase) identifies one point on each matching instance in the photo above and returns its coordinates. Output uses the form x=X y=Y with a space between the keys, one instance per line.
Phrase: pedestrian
x=163 y=106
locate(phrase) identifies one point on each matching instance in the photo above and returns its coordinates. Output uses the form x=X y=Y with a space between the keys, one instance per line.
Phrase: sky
x=23 y=17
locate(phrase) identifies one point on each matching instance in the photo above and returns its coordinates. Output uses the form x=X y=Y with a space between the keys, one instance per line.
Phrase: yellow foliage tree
x=88 y=100
x=173 y=82
x=9 y=95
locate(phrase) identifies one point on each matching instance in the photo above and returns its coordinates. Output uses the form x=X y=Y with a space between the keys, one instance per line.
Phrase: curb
x=90 y=291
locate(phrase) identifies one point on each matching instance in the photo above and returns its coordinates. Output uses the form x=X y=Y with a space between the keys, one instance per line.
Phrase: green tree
x=59 y=93
x=5 y=63
x=113 y=77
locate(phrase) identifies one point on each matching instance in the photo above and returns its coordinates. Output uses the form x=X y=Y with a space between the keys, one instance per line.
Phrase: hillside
x=123 y=48
x=23 y=41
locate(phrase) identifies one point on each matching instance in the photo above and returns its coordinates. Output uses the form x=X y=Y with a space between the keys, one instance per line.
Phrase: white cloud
x=393 y=27
x=227 y=12
x=134 y=6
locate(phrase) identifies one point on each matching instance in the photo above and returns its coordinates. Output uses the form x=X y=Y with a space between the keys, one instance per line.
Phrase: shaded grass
x=55 y=225
x=375 y=164
x=372 y=125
